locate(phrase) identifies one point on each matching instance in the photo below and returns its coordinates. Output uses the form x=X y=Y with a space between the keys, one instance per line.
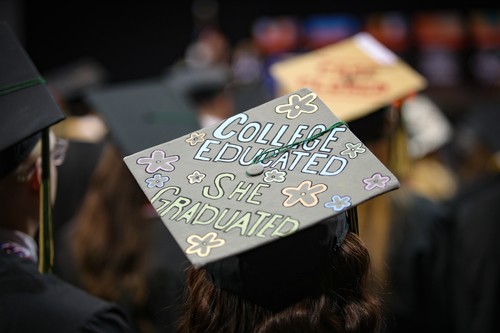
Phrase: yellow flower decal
x=195 y=138
x=202 y=245
x=298 y=105
x=305 y=193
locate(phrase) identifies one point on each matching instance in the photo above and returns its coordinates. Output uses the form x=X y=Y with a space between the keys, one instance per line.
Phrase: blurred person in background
x=207 y=90
x=430 y=134
x=367 y=86
x=117 y=246
x=474 y=229
x=414 y=293
x=85 y=132
x=32 y=298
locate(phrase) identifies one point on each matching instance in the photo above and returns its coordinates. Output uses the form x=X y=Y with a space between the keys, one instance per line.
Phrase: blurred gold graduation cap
x=354 y=77
x=27 y=111
x=357 y=77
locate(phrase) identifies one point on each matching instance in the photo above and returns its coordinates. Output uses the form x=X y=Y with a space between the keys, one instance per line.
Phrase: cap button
x=255 y=170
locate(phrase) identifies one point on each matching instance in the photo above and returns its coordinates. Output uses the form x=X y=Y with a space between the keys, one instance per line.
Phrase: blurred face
x=58 y=148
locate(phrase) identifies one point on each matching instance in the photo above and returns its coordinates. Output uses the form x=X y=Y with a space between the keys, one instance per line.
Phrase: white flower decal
x=195 y=138
x=196 y=177
x=158 y=161
x=353 y=149
x=274 y=176
x=338 y=203
x=298 y=105
x=202 y=245
x=377 y=180
x=157 y=180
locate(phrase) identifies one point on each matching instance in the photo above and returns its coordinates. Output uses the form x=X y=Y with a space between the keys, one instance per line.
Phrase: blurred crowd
x=432 y=242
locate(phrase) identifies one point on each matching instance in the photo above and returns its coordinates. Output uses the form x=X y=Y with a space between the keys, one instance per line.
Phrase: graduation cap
x=355 y=76
x=27 y=111
x=361 y=79
x=142 y=113
x=26 y=104
x=258 y=178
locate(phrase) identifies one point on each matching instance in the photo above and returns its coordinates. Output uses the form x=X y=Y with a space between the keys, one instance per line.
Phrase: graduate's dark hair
x=345 y=304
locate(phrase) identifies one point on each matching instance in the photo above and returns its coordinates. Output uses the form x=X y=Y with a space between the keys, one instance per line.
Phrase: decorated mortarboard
x=26 y=105
x=142 y=113
x=257 y=177
x=354 y=77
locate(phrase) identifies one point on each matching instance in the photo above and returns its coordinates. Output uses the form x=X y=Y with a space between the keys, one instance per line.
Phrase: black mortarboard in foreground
x=26 y=106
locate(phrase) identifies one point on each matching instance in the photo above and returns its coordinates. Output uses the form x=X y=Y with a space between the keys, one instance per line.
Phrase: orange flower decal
x=305 y=193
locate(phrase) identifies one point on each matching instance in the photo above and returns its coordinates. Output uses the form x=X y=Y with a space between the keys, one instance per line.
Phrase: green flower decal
x=352 y=150
x=274 y=176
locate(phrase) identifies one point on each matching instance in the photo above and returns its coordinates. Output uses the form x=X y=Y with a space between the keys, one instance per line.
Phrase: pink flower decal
x=202 y=245
x=298 y=105
x=305 y=193
x=195 y=138
x=158 y=161
x=377 y=180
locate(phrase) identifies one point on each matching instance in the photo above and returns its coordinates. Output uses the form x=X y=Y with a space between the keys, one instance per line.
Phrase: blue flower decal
x=157 y=180
x=339 y=203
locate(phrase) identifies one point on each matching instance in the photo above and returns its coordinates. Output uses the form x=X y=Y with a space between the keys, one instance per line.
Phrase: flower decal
x=377 y=180
x=157 y=180
x=158 y=161
x=298 y=105
x=353 y=149
x=196 y=177
x=338 y=203
x=305 y=193
x=202 y=245
x=274 y=176
x=195 y=138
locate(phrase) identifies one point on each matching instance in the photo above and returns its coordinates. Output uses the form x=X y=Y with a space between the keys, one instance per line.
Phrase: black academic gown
x=35 y=302
x=475 y=257
x=418 y=299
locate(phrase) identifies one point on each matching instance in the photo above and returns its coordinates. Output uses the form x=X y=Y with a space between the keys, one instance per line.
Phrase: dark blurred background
x=456 y=48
